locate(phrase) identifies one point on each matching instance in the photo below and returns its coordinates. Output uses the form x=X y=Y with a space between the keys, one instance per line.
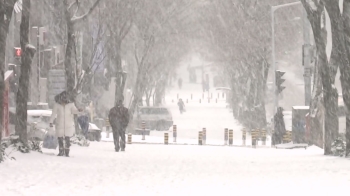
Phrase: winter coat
x=64 y=115
x=119 y=117
x=280 y=128
x=181 y=105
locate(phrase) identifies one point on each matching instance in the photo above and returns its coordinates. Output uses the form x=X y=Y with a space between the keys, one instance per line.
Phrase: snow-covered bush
x=4 y=145
x=14 y=143
x=338 y=147
x=79 y=140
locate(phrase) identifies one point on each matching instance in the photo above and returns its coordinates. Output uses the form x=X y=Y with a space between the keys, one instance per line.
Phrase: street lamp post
x=273 y=9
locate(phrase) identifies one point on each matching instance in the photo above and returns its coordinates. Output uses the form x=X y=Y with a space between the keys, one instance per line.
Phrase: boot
x=66 y=150
x=60 y=147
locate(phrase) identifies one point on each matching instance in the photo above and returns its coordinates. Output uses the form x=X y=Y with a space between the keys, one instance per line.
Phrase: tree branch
x=84 y=16
x=71 y=5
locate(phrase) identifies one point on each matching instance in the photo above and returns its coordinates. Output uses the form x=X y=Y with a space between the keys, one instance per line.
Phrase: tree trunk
x=22 y=94
x=6 y=9
x=345 y=71
x=70 y=73
x=138 y=91
x=117 y=59
x=320 y=36
x=327 y=89
x=3 y=37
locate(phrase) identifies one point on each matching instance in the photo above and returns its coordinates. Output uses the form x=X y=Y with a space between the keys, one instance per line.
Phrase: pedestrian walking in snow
x=119 y=120
x=181 y=105
x=63 y=111
x=83 y=120
x=280 y=128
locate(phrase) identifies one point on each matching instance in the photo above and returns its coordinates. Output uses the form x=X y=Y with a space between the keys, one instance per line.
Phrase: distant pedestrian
x=83 y=121
x=279 y=126
x=63 y=111
x=119 y=120
x=180 y=83
x=181 y=105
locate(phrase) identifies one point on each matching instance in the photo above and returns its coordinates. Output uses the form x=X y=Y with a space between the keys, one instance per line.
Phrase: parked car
x=155 y=118
x=38 y=122
x=94 y=133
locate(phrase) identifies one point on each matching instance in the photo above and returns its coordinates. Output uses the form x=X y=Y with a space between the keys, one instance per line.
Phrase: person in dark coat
x=181 y=105
x=280 y=128
x=119 y=119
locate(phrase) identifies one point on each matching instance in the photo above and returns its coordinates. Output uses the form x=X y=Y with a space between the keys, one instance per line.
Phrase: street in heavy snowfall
x=185 y=97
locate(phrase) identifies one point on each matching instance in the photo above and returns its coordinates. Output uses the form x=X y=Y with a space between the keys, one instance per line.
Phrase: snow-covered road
x=175 y=170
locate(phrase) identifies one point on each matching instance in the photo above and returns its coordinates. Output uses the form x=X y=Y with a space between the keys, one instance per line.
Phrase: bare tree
x=151 y=23
x=71 y=20
x=26 y=61
x=315 y=14
x=120 y=16
x=6 y=9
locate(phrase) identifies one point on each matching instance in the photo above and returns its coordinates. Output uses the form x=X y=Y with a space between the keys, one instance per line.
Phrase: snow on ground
x=146 y=169
x=212 y=115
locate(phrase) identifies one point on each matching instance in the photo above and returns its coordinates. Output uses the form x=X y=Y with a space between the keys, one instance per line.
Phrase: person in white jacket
x=63 y=111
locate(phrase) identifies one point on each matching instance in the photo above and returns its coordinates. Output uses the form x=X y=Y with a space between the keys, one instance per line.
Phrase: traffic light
x=279 y=81
x=17 y=52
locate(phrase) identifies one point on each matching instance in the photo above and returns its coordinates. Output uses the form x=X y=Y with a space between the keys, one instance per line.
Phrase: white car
x=155 y=118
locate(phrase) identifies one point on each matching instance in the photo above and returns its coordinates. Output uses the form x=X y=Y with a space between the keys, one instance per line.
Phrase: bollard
x=108 y=125
x=230 y=137
x=143 y=130
x=223 y=95
x=226 y=135
x=254 y=134
x=204 y=136
x=200 y=138
x=200 y=101
x=216 y=100
x=191 y=96
x=287 y=137
x=244 y=136
x=129 y=138
x=263 y=137
x=174 y=132
x=172 y=100
x=166 y=138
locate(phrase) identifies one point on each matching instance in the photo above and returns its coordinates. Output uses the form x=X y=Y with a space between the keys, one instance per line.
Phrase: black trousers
x=119 y=132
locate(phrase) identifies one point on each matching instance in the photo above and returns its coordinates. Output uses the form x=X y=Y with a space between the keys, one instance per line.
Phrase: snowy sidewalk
x=175 y=170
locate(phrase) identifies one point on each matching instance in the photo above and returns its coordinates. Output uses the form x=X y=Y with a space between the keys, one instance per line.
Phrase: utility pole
x=274 y=65
x=307 y=58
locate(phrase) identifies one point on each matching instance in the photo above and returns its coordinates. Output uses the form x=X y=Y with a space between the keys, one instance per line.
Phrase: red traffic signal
x=18 y=52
